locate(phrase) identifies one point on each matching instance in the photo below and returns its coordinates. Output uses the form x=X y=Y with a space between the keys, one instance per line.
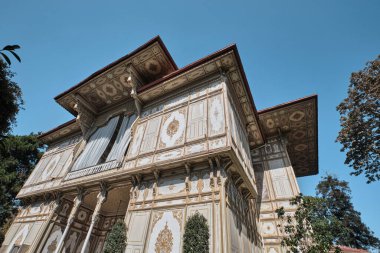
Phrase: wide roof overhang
x=297 y=121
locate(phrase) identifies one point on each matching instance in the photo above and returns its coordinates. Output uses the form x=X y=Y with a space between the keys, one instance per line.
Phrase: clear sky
x=289 y=49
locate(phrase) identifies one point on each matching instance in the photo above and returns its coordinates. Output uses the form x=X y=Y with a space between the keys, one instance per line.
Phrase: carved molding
x=188 y=174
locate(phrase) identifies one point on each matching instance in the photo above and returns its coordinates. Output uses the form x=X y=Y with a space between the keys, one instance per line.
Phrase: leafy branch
x=10 y=49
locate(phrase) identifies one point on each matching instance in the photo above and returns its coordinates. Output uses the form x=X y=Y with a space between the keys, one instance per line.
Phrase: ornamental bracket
x=134 y=83
x=86 y=114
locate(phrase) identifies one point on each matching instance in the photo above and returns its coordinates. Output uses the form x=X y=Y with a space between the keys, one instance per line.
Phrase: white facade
x=153 y=144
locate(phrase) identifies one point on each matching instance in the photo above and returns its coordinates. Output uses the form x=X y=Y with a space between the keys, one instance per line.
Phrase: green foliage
x=10 y=99
x=326 y=220
x=10 y=49
x=360 y=122
x=306 y=231
x=116 y=238
x=18 y=157
x=196 y=236
x=349 y=230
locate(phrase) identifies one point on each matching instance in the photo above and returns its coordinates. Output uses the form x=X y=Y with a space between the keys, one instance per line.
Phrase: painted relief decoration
x=216 y=115
x=53 y=240
x=171 y=186
x=166 y=227
x=164 y=241
x=173 y=128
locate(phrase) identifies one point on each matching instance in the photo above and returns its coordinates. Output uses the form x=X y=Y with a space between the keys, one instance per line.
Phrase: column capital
x=103 y=191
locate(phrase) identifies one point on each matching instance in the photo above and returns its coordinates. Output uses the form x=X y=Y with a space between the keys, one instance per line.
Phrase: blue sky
x=289 y=49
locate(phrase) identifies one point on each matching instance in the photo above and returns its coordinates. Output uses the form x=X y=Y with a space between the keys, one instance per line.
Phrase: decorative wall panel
x=137 y=231
x=150 y=137
x=170 y=186
x=173 y=129
x=136 y=141
x=280 y=179
x=53 y=239
x=164 y=231
x=196 y=124
x=34 y=230
x=216 y=115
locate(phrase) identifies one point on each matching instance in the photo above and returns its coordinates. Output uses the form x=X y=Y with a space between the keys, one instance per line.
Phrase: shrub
x=196 y=236
x=116 y=238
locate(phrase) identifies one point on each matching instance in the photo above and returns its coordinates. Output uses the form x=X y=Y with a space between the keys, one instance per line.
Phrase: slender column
x=222 y=178
x=102 y=196
x=77 y=202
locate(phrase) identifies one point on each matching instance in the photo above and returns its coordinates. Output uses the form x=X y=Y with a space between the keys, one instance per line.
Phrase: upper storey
x=112 y=85
x=145 y=90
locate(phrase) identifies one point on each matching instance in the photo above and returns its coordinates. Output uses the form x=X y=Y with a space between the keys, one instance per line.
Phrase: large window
x=108 y=143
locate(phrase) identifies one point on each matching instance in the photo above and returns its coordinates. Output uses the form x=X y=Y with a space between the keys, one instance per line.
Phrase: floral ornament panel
x=173 y=128
x=216 y=115
x=165 y=232
x=164 y=243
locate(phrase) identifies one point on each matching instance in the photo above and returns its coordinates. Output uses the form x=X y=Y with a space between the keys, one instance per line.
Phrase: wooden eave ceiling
x=297 y=121
x=60 y=131
x=108 y=86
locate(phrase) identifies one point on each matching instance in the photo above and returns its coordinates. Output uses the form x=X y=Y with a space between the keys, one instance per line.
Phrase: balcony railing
x=93 y=169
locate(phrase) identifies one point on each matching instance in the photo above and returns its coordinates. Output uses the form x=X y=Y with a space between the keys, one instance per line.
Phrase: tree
x=326 y=220
x=307 y=230
x=352 y=231
x=196 y=236
x=116 y=239
x=10 y=99
x=18 y=157
x=360 y=122
x=10 y=49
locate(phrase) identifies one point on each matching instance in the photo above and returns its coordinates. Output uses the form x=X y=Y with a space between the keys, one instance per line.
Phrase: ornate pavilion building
x=152 y=144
